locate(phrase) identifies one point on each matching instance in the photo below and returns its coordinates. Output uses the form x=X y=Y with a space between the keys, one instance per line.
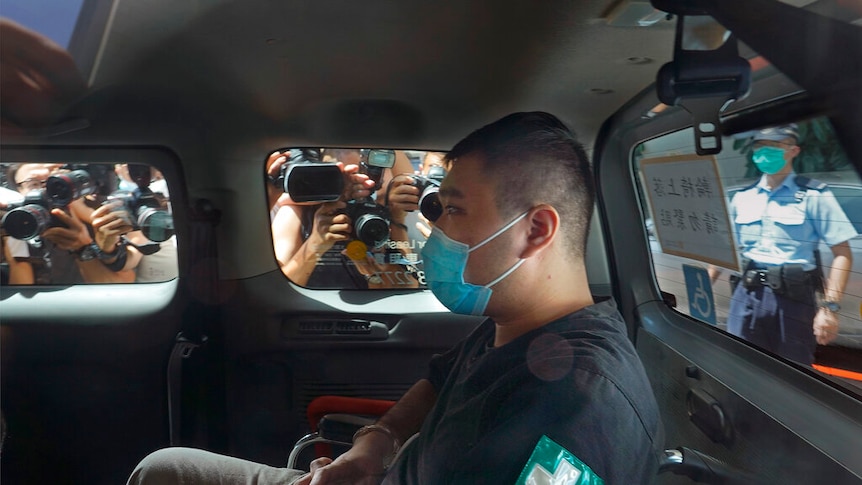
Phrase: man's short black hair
x=534 y=158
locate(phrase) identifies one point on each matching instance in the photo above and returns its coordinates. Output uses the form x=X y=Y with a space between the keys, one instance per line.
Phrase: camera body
x=370 y=219
x=28 y=219
x=145 y=211
x=429 y=186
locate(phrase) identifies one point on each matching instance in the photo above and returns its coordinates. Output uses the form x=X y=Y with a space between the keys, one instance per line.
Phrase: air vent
x=316 y=327
x=353 y=327
x=324 y=328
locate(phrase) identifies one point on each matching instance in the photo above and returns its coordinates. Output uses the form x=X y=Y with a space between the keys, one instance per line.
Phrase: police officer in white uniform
x=782 y=302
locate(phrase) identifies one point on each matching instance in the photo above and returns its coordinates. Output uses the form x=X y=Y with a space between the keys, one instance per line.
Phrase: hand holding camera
x=331 y=225
x=70 y=234
x=110 y=221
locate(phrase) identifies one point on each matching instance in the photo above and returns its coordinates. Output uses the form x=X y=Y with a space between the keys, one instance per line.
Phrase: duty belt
x=781 y=278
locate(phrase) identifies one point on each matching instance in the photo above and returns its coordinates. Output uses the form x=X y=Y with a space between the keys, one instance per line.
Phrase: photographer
x=149 y=252
x=303 y=233
x=312 y=240
x=14 y=271
x=38 y=260
x=65 y=252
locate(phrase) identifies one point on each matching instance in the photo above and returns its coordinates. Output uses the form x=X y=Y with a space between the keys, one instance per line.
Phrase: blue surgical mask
x=445 y=261
x=769 y=160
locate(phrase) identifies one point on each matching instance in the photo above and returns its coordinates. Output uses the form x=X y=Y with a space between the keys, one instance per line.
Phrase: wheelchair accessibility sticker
x=701 y=304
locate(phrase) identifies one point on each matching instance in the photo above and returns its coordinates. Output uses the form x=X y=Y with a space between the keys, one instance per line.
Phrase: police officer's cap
x=777 y=133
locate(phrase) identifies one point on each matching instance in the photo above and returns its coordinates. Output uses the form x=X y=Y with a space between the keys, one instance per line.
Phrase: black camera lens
x=372 y=229
x=63 y=188
x=429 y=204
x=26 y=222
x=156 y=224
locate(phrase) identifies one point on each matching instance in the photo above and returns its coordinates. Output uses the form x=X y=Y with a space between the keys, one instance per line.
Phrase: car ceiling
x=408 y=73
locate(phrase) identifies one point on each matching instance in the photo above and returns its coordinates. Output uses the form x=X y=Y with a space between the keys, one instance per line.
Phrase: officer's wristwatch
x=88 y=252
x=832 y=306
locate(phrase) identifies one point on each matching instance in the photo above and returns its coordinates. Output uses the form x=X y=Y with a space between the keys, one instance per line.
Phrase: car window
x=352 y=218
x=83 y=223
x=726 y=238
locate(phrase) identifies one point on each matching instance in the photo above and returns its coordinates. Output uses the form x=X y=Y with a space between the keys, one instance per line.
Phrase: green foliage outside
x=821 y=151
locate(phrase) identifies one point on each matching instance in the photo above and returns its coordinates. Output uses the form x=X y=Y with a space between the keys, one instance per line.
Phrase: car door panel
x=786 y=424
x=286 y=350
x=762 y=439
x=83 y=392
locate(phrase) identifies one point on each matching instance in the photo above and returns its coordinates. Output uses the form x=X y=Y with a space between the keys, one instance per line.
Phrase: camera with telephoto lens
x=429 y=186
x=63 y=188
x=370 y=219
x=145 y=211
x=30 y=218
x=306 y=179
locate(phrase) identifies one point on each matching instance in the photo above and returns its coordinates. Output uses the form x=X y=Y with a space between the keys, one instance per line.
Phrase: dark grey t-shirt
x=577 y=380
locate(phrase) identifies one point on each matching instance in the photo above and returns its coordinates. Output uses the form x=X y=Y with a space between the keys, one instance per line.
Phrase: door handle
x=706 y=413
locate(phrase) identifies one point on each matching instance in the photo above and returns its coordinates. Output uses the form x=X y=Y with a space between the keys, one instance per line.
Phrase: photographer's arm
x=329 y=226
x=74 y=237
x=20 y=272
x=109 y=224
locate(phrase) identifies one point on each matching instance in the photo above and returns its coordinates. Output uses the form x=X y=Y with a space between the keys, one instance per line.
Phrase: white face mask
x=445 y=261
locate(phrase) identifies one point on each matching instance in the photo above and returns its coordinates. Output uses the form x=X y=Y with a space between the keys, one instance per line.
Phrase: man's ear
x=544 y=225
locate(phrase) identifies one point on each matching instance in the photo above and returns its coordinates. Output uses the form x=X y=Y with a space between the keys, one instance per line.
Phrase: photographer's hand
x=72 y=237
x=330 y=225
x=402 y=197
x=275 y=195
x=424 y=226
x=356 y=185
x=109 y=224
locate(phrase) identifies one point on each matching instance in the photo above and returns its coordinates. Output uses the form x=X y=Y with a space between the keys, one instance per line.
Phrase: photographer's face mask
x=445 y=260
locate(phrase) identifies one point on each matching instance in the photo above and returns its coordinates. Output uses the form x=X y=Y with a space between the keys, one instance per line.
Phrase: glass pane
x=86 y=223
x=352 y=218
x=762 y=240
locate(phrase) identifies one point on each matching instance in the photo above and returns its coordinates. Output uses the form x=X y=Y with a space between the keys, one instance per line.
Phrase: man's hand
x=825 y=326
x=359 y=466
x=72 y=237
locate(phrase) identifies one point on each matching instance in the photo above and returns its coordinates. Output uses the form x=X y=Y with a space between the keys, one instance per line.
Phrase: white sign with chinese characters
x=689 y=208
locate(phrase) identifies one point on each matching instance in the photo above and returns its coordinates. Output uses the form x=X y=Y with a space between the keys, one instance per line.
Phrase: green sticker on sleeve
x=551 y=464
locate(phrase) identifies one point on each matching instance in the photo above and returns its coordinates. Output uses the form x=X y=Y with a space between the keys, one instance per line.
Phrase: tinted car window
x=698 y=265
x=86 y=223
x=352 y=218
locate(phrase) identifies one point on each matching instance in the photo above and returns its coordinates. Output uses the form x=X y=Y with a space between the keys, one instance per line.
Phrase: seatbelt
x=202 y=292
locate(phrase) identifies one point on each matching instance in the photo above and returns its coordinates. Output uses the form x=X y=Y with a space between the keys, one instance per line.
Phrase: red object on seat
x=323 y=405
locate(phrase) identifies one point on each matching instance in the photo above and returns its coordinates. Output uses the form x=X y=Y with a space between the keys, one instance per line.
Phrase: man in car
x=780 y=301
x=550 y=361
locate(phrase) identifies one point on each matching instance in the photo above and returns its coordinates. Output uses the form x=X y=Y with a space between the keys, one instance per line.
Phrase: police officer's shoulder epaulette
x=809 y=183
